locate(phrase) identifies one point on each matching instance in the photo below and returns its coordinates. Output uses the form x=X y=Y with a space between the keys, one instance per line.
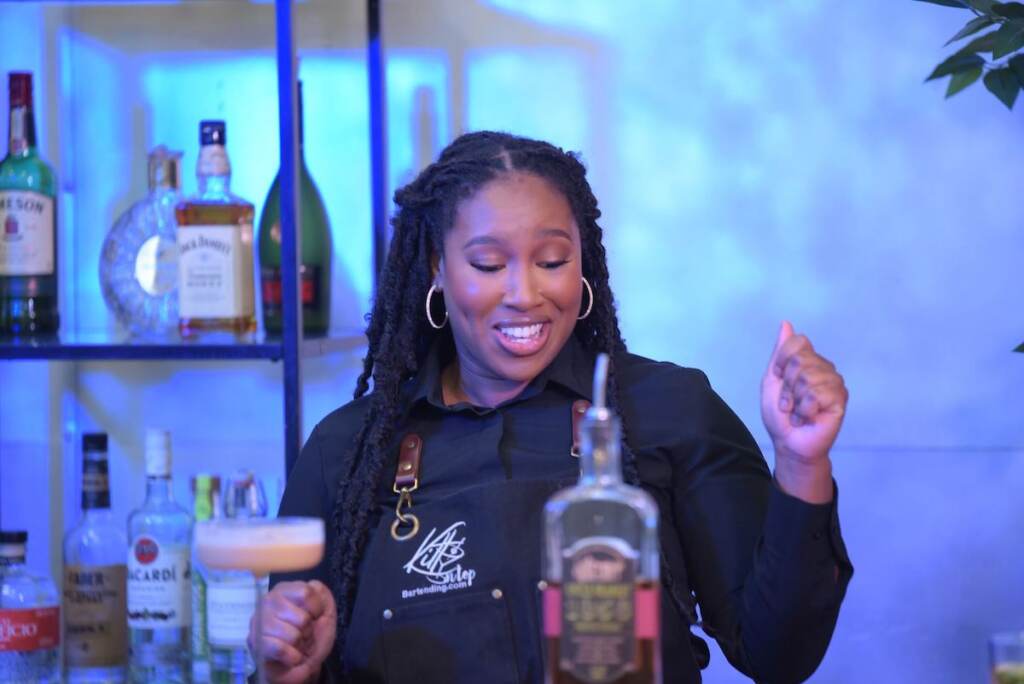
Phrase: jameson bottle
x=600 y=566
x=215 y=250
x=95 y=603
x=159 y=575
x=28 y=225
x=315 y=271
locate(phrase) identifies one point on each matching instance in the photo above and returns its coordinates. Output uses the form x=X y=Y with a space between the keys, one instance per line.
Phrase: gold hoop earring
x=590 y=304
x=430 y=318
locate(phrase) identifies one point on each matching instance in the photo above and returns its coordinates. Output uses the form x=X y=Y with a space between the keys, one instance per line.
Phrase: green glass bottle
x=28 y=225
x=315 y=271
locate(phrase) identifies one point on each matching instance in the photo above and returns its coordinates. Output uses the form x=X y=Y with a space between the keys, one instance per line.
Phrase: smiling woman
x=433 y=574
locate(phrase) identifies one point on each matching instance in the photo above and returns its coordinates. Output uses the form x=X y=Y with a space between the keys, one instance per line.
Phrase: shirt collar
x=572 y=369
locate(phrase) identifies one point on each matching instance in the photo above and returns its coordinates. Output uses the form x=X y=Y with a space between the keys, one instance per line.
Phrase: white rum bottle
x=159 y=575
x=600 y=565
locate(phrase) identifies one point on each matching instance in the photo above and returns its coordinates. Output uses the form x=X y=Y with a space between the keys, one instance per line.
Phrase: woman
x=491 y=309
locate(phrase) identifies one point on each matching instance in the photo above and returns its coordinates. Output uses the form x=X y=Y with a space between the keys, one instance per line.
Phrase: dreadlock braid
x=400 y=337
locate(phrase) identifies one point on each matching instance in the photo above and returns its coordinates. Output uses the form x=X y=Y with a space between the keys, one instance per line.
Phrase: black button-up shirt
x=769 y=571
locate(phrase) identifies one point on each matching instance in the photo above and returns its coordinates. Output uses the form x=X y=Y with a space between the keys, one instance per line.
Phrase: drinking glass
x=1006 y=655
x=260 y=546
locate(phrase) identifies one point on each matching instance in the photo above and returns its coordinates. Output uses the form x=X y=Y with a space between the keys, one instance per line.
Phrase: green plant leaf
x=955 y=64
x=961 y=80
x=981 y=5
x=1010 y=10
x=1003 y=84
x=1020 y=347
x=1017 y=66
x=946 y=3
x=972 y=27
x=1009 y=38
x=985 y=43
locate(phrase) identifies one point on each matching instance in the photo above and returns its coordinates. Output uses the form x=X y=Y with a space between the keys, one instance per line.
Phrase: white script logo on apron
x=437 y=560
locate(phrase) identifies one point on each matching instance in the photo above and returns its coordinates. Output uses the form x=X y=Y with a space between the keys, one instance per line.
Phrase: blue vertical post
x=378 y=137
x=291 y=310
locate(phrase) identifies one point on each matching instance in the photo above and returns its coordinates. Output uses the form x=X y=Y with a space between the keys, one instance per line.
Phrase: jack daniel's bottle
x=601 y=591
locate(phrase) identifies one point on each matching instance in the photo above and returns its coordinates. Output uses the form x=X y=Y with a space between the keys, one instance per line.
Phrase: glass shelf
x=106 y=347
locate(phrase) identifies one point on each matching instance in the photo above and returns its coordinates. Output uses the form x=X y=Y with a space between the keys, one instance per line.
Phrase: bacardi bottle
x=159 y=575
x=216 y=290
x=601 y=567
x=95 y=603
x=28 y=225
x=29 y=617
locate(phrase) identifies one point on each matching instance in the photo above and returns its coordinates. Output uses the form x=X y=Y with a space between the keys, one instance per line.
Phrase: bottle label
x=310 y=277
x=598 y=623
x=215 y=271
x=95 y=630
x=156 y=266
x=29 y=630
x=27 y=233
x=159 y=584
x=230 y=602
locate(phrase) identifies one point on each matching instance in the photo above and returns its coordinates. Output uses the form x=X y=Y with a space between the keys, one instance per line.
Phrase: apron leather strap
x=407 y=481
x=579 y=409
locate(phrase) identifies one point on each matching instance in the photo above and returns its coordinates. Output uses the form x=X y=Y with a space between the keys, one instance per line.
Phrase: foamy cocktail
x=260 y=546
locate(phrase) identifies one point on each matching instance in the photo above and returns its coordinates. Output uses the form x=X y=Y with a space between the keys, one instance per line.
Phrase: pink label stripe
x=647 y=606
x=553 y=612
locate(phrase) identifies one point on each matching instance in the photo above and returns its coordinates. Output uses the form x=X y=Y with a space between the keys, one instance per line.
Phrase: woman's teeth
x=525 y=332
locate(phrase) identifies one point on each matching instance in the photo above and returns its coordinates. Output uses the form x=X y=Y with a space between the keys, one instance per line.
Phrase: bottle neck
x=214 y=185
x=600 y=461
x=213 y=170
x=158 y=489
x=22 y=127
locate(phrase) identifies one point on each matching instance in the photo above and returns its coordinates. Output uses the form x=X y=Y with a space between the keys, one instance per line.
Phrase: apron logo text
x=437 y=559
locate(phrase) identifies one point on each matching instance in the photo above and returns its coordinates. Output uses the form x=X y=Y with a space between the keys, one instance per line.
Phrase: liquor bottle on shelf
x=205 y=506
x=159 y=575
x=95 y=603
x=315 y=257
x=231 y=595
x=215 y=260
x=29 y=617
x=601 y=567
x=28 y=225
x=139 y=259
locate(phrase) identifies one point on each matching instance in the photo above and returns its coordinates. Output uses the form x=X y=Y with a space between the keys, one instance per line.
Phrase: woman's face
x=511 y=277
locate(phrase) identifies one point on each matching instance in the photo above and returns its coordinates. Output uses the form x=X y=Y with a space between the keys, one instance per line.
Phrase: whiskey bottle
x=215 y=245
x=315 y=269
x=28 y=225
x=95 y=603
x=601 y=569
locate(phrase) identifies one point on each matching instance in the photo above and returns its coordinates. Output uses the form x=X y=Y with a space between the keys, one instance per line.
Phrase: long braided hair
x=400 y=336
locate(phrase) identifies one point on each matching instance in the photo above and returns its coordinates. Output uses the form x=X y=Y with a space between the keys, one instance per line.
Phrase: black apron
x=459 y=603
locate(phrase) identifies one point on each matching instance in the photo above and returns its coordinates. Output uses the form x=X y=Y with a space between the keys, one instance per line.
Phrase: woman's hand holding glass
x=299 y=620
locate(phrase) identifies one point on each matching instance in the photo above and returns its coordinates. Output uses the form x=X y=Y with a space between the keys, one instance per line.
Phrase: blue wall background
x=754 y=161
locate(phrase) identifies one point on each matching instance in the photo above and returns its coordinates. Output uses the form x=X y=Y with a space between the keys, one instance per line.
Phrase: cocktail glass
x=1006 y=655
x=260 y=546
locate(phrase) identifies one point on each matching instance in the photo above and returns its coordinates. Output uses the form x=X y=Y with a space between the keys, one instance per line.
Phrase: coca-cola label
x=27 y=234
x=159 y=584
x=31 y=629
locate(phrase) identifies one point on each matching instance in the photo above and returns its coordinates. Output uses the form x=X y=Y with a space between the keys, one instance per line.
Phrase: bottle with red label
x=601 y=565
x=29 y=617
x=159 y=575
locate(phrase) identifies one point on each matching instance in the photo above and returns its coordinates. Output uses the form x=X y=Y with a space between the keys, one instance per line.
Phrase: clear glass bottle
x=95 y=579
x=159 y=575
x=29 y=617
x=205 y=506
x=28 y=225
x=139 y=259
x=315 y=269
x=216 y=290
x=230 y=595
x=600 y=565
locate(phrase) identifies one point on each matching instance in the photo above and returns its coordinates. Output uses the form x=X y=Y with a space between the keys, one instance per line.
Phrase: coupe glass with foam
x=260 y=546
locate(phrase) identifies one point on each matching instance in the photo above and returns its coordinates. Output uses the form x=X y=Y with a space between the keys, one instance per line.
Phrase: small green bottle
x=315 y=271
x=28 y=225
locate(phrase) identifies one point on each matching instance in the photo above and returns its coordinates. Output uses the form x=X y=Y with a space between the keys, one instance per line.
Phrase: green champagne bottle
x=28 y=225
x=315 y=271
